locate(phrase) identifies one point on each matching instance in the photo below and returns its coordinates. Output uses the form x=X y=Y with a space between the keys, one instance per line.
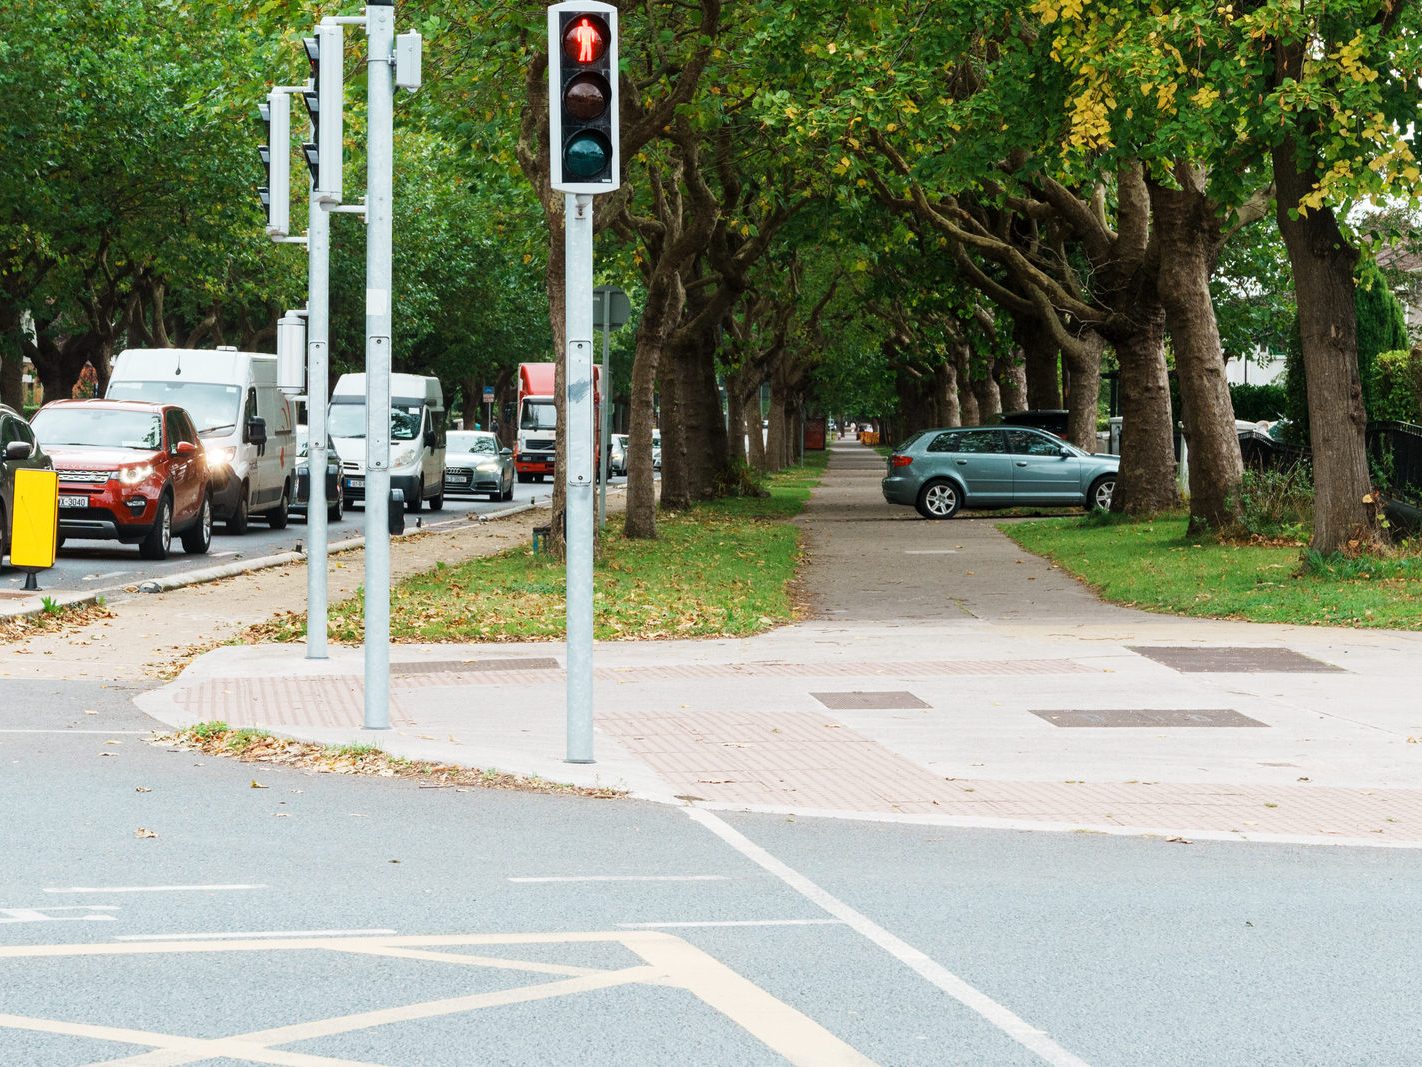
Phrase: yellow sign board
x=34 y=536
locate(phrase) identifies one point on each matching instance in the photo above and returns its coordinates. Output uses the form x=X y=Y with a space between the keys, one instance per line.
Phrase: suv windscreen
x=213 y=407
x=100 y=428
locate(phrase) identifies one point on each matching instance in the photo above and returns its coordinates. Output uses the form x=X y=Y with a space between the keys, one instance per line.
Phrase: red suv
x=128 y=471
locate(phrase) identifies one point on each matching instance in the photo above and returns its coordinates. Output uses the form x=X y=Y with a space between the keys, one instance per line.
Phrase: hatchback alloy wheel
x=939 y=500
x=1101 y=492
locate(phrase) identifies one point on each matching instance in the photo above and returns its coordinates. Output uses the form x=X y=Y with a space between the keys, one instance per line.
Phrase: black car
x=18 y=448
x=335 y=490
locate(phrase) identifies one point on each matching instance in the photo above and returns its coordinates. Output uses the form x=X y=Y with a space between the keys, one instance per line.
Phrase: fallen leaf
x=258 y=785
x=142 y=789
x=90 y=711
x=1179 y=841
x=281 y=815
x=111 y=741
x=144 y=833
x=108 y=753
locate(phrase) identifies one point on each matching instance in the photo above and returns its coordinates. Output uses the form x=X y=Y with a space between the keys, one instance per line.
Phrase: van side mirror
x=506 y=451
x=256 y=431
x=431 y=439
x=19 y=450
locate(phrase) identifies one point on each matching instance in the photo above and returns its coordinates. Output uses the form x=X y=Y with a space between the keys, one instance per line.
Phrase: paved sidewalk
x=946 y=677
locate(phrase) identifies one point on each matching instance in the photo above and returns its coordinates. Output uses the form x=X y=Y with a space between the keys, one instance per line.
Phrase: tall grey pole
x=318 y=327
x=578 y=477
x=379 y=238
x=605 y=429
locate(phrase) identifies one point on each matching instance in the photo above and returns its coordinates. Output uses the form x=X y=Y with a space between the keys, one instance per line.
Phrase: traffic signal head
x=325 y=98
x=275 y=195
x=582 y=97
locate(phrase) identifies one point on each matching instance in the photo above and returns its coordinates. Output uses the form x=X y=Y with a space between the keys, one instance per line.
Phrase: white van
x=246 y=423
x=417 y=427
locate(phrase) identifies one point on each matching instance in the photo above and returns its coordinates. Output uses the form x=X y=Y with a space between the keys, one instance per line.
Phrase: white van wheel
x=237 y=521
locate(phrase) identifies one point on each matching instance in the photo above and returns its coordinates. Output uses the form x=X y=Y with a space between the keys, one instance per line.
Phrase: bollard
x=397 y=511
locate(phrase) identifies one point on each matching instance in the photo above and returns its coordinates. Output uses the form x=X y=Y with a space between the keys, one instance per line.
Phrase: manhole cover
x=1234 y=660
x=1148 y=717
x=869 y=701
x=464 y=666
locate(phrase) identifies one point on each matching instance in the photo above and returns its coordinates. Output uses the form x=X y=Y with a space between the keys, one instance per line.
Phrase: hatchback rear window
x=908 y=441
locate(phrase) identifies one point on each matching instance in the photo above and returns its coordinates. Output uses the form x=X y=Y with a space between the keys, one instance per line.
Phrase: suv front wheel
x=160 y=538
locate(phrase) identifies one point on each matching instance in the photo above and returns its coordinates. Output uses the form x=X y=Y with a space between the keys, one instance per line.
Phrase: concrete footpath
x=945 y=677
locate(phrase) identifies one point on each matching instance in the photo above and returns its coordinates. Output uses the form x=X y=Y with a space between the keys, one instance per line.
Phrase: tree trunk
x=946 y=377
x=12 y=369
x=1011 y=378
x=1083 y=360
x=967 y=399
x=736 y=421
x=1039 y=362
x=469 y=390
x=988 y=396
x=1322 y=263
x=755 y=433
x=661 y=309
x=775 y=436
x=1146 y=484
x=1183 y=227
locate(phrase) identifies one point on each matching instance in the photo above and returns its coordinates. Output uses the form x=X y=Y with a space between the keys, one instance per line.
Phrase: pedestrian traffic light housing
x=275 y=113
x=583 y=137
x=325 y=100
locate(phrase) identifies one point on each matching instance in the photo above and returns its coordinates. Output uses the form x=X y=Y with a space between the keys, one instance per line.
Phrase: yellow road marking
x=668 y=961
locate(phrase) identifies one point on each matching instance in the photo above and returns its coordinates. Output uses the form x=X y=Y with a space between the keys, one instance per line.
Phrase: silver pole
x=318 y=248
x=605 y=430
x=578 y=380
x=380 y=72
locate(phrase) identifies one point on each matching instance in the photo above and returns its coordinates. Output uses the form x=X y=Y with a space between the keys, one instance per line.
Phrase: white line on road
x=105 y=733
x=1000 y=1016
x=627 y=878
x=156 y=889
x=732 y=922
x=240 y=934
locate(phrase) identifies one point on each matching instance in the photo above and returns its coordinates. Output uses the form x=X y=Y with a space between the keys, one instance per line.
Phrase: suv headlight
x=134 y=475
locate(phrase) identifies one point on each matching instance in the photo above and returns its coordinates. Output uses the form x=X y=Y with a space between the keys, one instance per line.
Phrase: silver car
x=474 y=463
x=941 y=471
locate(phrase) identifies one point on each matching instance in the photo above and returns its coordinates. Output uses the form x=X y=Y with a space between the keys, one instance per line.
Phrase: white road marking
x=626 y=878
x=37 y=915
x=106 y=733
x=732 y=922
x=155 y=889
x=934 y=972
x=244 y=934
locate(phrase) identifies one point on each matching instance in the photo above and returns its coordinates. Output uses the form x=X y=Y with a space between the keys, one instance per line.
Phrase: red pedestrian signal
x=582 y=96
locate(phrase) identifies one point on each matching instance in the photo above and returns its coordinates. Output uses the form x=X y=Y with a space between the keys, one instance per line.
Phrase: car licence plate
x=355 y=483
x=74 y=501
x=457 y=479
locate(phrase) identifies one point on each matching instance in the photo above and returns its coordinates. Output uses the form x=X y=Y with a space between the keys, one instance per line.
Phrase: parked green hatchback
x=941 y=471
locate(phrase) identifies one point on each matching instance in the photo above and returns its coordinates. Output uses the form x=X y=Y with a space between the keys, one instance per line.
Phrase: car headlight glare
x=220 y=455
x=134 y=475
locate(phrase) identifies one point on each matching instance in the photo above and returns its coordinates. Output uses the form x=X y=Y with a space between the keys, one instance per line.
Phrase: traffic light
x=275 y=113
x=325 y=99
x=582 y=97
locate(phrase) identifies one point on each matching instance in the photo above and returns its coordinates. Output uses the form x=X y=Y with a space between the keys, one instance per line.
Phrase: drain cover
x=465 y=666
x=869 y=701
x=1151 y=717
x=1234 y=660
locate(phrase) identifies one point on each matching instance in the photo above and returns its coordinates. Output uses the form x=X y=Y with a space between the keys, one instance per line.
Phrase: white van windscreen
x=348 y=420
x=214 y=408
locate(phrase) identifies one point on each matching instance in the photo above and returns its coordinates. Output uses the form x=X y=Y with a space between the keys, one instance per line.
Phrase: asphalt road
x=832 y=941
x=108 y=567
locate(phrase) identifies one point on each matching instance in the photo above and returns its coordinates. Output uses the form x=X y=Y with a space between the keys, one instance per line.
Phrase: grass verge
x=722 y=569
x=257 y=746
x=1155 y=566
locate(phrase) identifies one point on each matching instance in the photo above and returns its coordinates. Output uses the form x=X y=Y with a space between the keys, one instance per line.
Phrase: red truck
x=537 y=445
